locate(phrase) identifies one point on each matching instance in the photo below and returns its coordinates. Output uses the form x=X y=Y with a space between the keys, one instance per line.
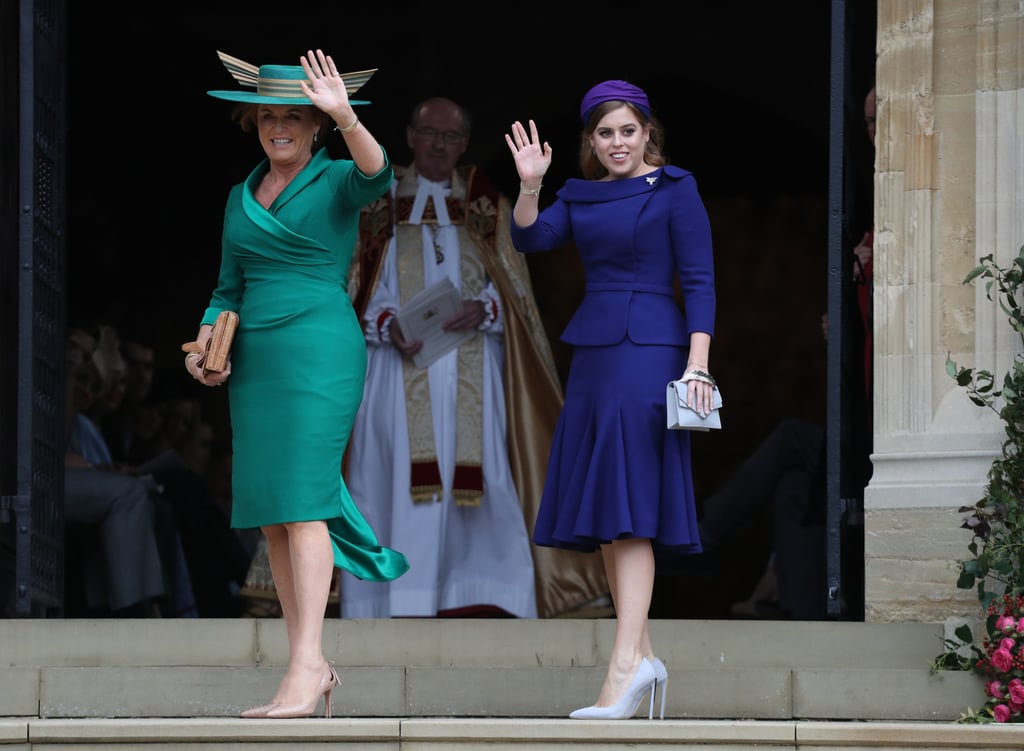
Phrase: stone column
x=948 y=190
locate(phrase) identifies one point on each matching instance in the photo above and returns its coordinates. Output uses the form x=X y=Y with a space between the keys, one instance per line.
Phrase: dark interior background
x=742 y=89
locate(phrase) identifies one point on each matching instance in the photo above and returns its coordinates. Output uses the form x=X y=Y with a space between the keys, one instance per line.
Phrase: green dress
x=298 y=360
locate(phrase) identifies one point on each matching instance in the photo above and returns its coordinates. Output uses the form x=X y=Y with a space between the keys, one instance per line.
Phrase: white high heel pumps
x=644 y=682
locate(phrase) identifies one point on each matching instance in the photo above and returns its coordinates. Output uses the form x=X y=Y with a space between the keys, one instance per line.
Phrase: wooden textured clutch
x=218 y=347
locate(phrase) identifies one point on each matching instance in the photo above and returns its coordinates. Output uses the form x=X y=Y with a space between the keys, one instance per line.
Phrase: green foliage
x=996 y=520
x=974 y=717
x=953 y=658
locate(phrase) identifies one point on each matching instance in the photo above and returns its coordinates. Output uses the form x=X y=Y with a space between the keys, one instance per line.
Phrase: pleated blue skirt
x=615 y=470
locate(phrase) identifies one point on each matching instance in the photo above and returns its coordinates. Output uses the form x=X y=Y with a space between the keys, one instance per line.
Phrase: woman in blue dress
x=298 y=360
x=618 y=480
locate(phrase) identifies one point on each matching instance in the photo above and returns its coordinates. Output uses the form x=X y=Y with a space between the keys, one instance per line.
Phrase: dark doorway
x=742 y=89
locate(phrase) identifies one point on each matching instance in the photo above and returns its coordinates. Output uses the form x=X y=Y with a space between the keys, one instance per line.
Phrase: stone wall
x=948 y=190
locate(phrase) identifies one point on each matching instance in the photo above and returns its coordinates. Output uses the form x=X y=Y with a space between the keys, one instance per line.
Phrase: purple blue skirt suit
x=615 y=471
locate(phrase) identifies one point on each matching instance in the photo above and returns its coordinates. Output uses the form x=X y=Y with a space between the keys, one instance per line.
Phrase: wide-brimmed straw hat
x=279 y=84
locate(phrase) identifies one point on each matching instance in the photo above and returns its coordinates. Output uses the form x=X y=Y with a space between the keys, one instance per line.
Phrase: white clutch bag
x=681 y=417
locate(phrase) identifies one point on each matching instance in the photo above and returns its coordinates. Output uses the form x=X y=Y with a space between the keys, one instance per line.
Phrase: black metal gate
x=32 y=381
x=848 y=442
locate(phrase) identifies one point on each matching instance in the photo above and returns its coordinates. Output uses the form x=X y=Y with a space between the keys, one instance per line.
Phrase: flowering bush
x=1002 y=663
x=999 y=659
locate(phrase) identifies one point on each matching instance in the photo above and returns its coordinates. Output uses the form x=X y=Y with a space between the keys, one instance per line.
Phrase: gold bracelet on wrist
x=348 y=128
x=530 y=191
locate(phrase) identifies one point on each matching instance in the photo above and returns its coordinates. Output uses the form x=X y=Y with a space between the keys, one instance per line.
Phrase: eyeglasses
x=431 y=134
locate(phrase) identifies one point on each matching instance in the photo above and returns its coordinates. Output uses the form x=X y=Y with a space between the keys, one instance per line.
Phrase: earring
x=316 y=136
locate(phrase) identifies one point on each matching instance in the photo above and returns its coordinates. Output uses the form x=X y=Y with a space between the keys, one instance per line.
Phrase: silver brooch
x=652 y=180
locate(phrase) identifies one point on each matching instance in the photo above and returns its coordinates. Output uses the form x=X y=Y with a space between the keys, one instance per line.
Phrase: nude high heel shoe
x=661 y=680
x=258 y=712
x=327 y=683
x=644 y=681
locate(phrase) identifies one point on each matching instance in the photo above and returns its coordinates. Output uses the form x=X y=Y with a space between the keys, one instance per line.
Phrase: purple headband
x=608 y=91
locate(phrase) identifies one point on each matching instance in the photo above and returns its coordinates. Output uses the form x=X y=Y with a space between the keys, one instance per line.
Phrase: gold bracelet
x=349 y=128
x=530 y=191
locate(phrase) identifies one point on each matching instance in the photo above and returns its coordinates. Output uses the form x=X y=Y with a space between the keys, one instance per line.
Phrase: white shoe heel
x=661 y=679
x=644 y=680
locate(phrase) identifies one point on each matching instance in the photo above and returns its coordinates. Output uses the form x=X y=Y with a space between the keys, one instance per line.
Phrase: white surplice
x=459 y=556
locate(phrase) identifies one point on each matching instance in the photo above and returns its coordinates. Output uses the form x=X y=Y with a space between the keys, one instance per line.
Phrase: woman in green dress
x=298 y=360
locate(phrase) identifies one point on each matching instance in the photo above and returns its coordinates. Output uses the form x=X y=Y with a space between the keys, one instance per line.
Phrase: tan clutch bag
x=218 y=348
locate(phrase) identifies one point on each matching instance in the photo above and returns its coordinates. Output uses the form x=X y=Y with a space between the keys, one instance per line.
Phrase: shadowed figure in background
x=786 y=472
x=159 y=439
x=118 y=570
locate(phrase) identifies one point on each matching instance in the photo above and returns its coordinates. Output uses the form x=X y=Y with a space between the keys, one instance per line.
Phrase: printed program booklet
x=422 y=316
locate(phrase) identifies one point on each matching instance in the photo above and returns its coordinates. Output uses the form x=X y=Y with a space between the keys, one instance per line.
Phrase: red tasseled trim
x=468 y=478
x=475 y=611
x=382 y=319
x=425 y=479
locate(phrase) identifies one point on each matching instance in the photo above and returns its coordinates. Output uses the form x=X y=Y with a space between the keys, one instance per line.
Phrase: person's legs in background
x=120 y=507
x=794 y=445
x=799 y=546
x=764 y=594
x=180 y=601
x=793 y=583
x=216 y=557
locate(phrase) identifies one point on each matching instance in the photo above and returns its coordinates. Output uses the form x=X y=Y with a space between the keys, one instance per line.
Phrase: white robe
x=459 y=556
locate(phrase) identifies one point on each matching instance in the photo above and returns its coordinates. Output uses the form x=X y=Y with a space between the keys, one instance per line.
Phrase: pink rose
x=1005 y=624
x=994 y=689
x=1016 y=692
x=1002 y=659
x=1007 y=644
x=1020 y=626
x=1001 y=713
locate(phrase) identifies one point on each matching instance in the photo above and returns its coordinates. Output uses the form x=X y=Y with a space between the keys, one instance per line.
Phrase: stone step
x=461 y=734
x=701 y=693
x=191 y=676
x=682 y=644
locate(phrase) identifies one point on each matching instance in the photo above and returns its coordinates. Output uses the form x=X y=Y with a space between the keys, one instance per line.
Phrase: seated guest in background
x=123 y=574
x=786 y=472
x=132 y=426
x=155 y=440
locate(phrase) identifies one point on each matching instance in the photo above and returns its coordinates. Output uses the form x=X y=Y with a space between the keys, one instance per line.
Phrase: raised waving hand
x=326 y=88
x=532 y=157
x=532 y=161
